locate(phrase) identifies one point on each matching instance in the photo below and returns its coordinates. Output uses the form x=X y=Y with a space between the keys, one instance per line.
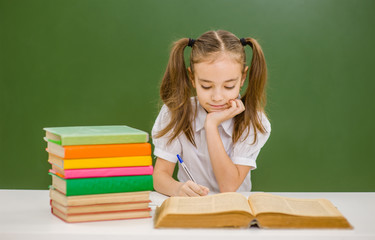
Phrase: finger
x=187 y=191
x=204 y=189
x=233 y=103
x=235 y=107
x=196 y=188
x=191 y=193
x=236 y=103
x=239 y=103
x=232 y=107
x=240 y=106
x=192 y=189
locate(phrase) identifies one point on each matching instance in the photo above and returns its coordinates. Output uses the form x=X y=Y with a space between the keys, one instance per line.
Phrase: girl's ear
x=191 y=76
x=244 y=75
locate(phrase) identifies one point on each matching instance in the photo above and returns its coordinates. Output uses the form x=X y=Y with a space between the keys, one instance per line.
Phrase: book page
x=264 y=202
x=208 y=204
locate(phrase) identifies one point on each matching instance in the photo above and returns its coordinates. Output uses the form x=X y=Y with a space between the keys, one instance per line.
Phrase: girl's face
x=217 y=82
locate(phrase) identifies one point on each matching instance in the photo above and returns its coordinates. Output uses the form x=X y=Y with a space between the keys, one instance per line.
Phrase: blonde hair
x=176 y=88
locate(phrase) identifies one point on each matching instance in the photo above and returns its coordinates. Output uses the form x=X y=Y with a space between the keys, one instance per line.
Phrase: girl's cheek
x=235 y=95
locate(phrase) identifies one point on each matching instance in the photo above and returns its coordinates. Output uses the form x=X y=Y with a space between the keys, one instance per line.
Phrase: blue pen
x=185 y=168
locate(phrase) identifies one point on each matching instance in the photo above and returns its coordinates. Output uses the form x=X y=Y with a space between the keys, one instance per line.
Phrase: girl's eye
x=204 y=87
x=230 y=87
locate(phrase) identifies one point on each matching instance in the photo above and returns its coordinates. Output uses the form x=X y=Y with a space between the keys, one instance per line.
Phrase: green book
x=86 y=186
x=89 y=135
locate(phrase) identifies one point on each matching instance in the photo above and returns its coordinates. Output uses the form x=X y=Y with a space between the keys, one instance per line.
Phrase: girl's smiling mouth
x=218 y=107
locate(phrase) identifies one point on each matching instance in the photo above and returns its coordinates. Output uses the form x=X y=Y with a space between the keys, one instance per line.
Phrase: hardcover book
x=103 y=216
x=85 y=186
x=93 y=199
x=100 y=162
x=101 y=172
x=87 y=135
x=235 y=210
x=99 y=208
x=100 y=150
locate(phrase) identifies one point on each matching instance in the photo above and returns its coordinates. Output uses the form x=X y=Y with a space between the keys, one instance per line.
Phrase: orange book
x=100 y=151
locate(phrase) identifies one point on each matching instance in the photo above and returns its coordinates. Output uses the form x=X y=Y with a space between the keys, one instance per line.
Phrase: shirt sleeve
x=162 y=148
x=245 y=152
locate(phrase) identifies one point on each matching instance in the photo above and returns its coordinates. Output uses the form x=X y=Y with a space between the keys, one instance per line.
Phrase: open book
x=235 y=210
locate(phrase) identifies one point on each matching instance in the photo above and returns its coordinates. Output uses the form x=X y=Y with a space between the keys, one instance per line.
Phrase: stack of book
x=99 y=172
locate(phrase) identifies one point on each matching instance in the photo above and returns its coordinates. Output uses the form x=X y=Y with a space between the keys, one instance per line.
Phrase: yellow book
x=235 y=210
x=100 y=162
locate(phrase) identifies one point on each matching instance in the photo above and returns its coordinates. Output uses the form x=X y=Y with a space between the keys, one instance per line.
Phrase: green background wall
x=88 y=62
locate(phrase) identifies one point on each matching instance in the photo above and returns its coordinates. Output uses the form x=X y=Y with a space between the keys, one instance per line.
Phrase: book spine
x=110 y=150
x=107 y=172
x=101 y=216
x=107 y=139
x=107 y=162
x=85 y=186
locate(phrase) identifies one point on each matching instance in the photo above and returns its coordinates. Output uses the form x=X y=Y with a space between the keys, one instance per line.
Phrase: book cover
x=93 y=199
x=100 y=150
x=104 y=216
x=99 y=208
x=100 y=162
x=85 y=186
x=101 y=172
x=87 y=135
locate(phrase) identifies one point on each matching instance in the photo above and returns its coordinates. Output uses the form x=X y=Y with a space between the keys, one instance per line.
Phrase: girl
x=217 y=133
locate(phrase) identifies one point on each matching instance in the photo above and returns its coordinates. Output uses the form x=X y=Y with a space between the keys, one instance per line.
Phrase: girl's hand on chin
x=236 y=107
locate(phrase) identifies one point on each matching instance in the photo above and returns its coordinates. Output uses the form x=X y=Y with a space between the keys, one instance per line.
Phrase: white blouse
x=197 y=159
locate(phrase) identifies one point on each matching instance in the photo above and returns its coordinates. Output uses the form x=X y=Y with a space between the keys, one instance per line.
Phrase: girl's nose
x=217 y=96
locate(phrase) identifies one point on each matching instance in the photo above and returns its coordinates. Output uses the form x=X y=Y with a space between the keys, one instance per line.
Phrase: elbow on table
x=230 y=184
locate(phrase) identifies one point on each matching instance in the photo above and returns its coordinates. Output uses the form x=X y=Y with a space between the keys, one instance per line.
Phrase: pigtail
x=175 y=92
x=254 y=98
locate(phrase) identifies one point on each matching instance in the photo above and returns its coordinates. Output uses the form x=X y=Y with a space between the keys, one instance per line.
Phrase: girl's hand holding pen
x=191 y=189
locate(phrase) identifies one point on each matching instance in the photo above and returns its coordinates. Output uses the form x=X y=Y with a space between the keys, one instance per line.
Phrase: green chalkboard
x=91 y=62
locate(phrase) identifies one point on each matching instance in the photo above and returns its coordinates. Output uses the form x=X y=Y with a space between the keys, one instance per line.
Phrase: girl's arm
x=228 y=175
x=165 y=184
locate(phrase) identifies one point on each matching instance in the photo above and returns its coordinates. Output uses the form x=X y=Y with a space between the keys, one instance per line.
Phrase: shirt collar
x=201 y=118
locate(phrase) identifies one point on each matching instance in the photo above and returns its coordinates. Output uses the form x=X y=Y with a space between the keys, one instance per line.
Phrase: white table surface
x=26 y=214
